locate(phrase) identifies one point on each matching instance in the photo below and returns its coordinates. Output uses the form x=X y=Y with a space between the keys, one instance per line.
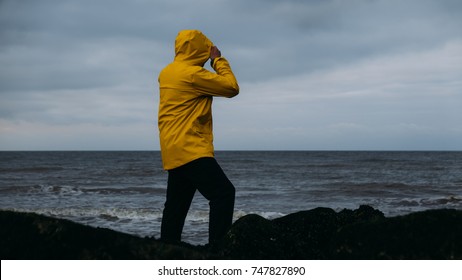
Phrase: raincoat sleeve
x=222 y=83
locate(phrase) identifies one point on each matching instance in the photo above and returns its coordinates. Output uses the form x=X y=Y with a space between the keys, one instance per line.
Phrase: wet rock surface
x=321 y=233
x=32 y=236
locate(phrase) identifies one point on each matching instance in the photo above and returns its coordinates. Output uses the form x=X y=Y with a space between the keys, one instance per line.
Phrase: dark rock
x=251 y=237
x=32 y=236
x=320 y=233
x=301 y=235
x=432 y=234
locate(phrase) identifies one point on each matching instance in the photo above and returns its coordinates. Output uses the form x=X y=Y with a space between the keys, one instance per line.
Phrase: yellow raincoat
x=186 y=93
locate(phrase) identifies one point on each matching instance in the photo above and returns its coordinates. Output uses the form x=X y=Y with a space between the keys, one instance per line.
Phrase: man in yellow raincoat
x=185 y=131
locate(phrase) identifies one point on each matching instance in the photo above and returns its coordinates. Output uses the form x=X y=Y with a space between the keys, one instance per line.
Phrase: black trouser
x=205 y=175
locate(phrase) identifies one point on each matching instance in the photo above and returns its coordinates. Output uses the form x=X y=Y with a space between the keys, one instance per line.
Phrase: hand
x=214 y=52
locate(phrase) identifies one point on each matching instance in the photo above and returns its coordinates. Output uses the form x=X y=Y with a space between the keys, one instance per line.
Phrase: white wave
x=96 y=213
x=60 y=190
x=138 y=214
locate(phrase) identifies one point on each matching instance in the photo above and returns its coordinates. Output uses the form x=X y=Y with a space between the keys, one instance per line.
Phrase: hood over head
x=192 y=47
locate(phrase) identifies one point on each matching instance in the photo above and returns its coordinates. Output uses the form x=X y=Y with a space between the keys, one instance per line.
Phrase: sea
x=125 y=190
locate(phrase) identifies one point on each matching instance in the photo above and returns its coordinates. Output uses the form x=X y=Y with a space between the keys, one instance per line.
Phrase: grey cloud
x=309 y=36
x=287 y=37
x=96 y=62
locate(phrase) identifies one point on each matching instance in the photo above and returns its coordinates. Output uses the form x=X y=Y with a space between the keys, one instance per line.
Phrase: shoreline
x=321 y=233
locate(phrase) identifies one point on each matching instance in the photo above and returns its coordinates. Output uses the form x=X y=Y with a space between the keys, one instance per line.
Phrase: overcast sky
x=314 y=75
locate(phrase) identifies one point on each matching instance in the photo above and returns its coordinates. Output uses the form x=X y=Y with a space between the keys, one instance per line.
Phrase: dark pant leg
x=180 y=193
x=208 y=177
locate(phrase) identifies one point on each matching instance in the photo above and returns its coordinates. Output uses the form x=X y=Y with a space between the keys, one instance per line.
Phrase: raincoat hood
x=192 y=47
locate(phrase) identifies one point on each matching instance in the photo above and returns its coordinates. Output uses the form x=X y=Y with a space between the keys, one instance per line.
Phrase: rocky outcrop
x=320 y=233
x=32 y=236
x=364 y=233
x=302 y=235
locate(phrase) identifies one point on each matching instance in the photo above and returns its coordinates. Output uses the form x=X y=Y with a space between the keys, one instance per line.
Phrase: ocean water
x=125 y=191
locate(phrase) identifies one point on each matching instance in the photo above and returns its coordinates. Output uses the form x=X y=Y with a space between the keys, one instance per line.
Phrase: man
x=186 y=139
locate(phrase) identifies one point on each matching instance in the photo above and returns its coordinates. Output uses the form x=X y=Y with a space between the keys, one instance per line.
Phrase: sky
x=313 y=75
